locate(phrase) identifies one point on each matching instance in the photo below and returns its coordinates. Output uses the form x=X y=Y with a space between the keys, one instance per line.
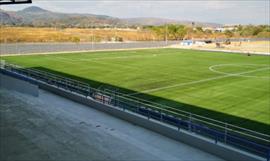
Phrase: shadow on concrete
x=239 y=121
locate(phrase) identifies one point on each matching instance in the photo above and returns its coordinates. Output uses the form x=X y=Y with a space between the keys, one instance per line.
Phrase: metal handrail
x=213 y=124
x=210 y=119
x=47 y=74
x=140 y=103
x=136 y=99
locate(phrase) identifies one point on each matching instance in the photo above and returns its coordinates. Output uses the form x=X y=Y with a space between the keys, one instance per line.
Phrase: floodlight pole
x=92 y=40
x=166 y=36
x=92 y=43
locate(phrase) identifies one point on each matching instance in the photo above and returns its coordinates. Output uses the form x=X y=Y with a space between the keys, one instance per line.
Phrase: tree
x=181 y=32
x=228 y=33
x=207 y=31
x=257 y=30
x=160 y=31
x=264 y=34
x=266 y=28
x=76 y=39
x=251 y=30
x=178 y=32
x=239 y=28
x=199 y=29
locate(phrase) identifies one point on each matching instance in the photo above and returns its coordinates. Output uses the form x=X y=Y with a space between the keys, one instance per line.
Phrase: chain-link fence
x=28 y=48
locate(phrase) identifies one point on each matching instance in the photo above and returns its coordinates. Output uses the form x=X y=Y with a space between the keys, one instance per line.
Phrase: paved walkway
x=50 y=127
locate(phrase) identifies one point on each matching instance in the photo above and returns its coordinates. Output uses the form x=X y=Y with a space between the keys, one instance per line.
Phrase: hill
x=152 y=21
x=38 y=17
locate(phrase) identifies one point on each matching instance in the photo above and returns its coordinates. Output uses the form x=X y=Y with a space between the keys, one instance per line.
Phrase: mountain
x=34 y=9
x=38 y=17
x=9 y=18
x=148 y=21
x=161 y=21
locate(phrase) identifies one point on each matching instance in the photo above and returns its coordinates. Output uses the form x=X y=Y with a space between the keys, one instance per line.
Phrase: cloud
x=219 y=11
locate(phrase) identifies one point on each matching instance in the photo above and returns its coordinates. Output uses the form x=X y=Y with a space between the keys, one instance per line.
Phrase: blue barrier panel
x=170 y=119
x=126 y=105
x=131 y=107
x=206 y=131
x=155 y=115
x=248 y=145
x=143 y=111
x=183 y=124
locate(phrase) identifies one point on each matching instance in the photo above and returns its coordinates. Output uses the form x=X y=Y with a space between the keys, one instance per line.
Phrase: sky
x=217 y=11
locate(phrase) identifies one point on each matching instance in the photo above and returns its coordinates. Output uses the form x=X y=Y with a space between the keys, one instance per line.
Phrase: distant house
x=208 y=28
x=187 y=43
x=200 y=43
x=220 y=29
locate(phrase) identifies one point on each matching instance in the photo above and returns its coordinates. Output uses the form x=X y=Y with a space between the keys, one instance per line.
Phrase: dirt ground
x=76 y=35
x=259 y=47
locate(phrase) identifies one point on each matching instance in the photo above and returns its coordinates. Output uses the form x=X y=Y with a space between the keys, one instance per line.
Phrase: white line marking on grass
x=120 y=57
x=61 y=60
x=112 y=64
x=212 y=68
x=83 y=51
x=67 y=60
x=198 y=81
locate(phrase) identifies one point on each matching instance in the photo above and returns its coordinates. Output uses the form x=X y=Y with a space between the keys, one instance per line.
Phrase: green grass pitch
x=233 y=88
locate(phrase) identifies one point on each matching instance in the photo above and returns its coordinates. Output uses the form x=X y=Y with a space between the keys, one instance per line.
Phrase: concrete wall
x=223 y=151
x=11 y=83
x=26 y=48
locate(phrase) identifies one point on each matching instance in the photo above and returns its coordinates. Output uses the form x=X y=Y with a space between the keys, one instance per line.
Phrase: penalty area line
x=198 y=81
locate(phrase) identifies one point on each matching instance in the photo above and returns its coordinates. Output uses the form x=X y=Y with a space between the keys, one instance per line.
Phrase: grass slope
x=179 y=78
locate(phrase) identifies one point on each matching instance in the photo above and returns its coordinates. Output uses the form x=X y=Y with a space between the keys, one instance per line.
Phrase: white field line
x=198 y=81
x=112 y=58
x=114 y=64
x=76 y=61
x=120 y=57
x=222 y=50
x=70 y=61
x=131 y=55
x=212 y=68
x=61 y=60
x=82 y=51
x=67 y=60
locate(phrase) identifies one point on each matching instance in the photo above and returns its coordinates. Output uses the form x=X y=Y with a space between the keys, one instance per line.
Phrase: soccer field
x=232 y=88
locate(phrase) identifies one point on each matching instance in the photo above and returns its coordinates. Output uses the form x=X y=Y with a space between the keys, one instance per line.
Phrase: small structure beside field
x=192 y=42
x=187 y=43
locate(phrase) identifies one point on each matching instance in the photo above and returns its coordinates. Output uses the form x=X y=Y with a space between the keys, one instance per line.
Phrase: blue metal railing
x=220 y=132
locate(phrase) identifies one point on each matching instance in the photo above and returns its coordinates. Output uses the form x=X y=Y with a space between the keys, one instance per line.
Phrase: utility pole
x=92 y=42
x=166 y=36
x=193 y=26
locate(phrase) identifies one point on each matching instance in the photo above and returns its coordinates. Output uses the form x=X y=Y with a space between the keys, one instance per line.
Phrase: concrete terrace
x=50 y=127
